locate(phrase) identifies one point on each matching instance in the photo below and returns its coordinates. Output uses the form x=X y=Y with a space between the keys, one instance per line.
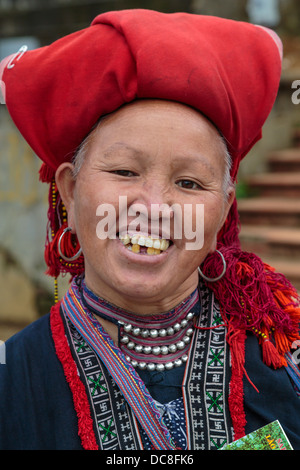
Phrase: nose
x=152 y=203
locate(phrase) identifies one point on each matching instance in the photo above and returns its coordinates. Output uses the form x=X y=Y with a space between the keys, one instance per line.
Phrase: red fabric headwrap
x=228 y=70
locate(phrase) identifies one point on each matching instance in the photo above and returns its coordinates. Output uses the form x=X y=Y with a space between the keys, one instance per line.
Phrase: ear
x=227 y=204
x=66 y=184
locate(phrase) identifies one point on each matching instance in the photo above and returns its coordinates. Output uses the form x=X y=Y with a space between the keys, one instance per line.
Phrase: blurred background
x=269 y=179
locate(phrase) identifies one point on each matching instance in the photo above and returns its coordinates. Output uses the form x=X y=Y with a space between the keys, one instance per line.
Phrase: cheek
x=93 y=203
x=203 y=218
x=206 y=234
x=85 y=207
x=213 y=217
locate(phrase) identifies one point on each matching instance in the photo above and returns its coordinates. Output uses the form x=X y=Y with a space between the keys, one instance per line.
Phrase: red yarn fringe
x=252 y=297
x=46 y=174
x=271 y=357
x=236 y=341
x=82 y=408
x=255 y=297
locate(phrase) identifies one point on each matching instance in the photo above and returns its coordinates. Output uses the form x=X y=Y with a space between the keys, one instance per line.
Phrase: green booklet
x=269 y=437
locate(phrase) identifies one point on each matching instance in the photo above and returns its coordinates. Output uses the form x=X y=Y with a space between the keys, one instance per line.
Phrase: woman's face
x=149 y=154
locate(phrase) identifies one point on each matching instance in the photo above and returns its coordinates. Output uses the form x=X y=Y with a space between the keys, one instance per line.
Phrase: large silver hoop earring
x=215 y=279
x=73 y=258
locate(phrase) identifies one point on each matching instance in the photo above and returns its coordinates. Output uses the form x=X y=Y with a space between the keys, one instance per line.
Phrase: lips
x=144 y=244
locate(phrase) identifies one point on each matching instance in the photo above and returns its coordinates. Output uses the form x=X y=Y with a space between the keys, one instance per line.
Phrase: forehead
x=145 y=127
x=147 y=111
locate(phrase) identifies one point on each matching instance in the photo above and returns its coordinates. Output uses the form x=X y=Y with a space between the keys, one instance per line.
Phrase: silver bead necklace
x=157 y=348
x=162 y=346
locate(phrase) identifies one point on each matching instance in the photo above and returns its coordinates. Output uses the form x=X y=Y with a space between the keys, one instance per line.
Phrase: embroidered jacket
x=56 y=392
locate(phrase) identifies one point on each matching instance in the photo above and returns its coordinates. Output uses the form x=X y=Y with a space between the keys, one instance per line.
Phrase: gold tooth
x=135 y=248
x=153 y=251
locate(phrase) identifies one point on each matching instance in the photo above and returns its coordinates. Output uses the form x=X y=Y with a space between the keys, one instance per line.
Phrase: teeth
x=135 y=248
x=152 y=251
x=134 y=239
x=125 y=239
x=164 y=244
x=149 y=242
x=154 y=246
x=141 y=241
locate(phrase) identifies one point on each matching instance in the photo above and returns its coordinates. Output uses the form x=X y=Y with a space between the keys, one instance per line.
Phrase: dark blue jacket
x=36 y=405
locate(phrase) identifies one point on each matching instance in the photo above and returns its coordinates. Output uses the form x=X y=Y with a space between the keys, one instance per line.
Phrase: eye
x=188 y=184
x=126 y=173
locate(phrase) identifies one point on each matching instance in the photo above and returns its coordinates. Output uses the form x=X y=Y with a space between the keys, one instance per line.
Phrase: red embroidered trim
x=236 y=395
x=85 y=422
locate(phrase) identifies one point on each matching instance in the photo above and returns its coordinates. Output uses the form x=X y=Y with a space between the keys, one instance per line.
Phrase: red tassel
x=271 y=356
x=46 y=173
x=236 y=341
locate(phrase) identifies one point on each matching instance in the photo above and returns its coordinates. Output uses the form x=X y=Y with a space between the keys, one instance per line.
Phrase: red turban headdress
x=228 y=70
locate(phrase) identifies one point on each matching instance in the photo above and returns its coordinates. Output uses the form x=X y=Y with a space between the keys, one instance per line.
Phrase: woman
x=157 y=344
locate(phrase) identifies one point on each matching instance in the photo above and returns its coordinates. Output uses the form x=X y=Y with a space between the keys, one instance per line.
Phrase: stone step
x=296 y=137
x=263 y=240
x=270 y=211
x=284 y=160
x=277 y=184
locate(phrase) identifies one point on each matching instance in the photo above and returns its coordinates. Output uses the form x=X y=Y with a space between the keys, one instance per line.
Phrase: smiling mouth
x=143 y=244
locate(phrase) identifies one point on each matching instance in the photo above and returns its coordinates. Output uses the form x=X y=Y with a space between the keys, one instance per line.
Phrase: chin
x=145 y=290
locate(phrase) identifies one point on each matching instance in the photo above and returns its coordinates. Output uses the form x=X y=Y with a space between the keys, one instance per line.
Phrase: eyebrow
x=193 y=159
x=108 y=152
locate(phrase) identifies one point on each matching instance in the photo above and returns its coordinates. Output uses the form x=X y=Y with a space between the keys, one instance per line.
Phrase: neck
x=157 y=340
x=143 y=302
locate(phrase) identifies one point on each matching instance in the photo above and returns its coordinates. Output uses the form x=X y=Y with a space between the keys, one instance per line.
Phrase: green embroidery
x=97 y=384
x=221 y=445
x=81 y=345
x=107 y=430
x=214 y=402
x=216 y=357
x=217 y=319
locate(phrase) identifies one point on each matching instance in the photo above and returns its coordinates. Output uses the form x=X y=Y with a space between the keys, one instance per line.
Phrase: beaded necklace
x=155 y=342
